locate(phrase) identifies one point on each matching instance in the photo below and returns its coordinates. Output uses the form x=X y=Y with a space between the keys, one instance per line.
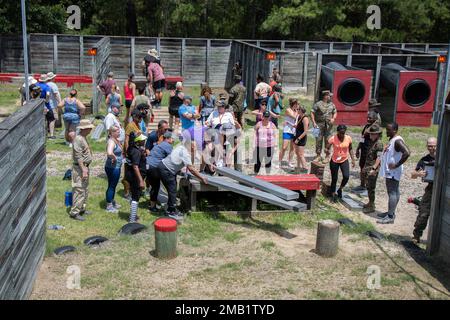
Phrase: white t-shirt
x=216 y=118
x=54 y=92
x=178 y=159
x=111 y=120
x=391 y=156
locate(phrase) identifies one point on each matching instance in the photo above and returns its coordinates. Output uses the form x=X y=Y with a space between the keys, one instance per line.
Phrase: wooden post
x=377 y=76
x=1 y=54
x=208 y=48
x=166 y=238
x=158 y=45
x=81 y=55
x=55 y=53
x=349 y=60
x=327 y=243
x=133 y=55
x=318 y=71
x=183 y=48
x=305 y=66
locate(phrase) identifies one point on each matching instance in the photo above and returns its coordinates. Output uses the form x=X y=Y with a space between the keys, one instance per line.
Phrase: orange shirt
x=340 y=148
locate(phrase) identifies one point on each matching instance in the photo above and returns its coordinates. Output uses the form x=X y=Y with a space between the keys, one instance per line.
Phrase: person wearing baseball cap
x=81 y=158
x=323 y=116
x=136 y=171
x=188 y=113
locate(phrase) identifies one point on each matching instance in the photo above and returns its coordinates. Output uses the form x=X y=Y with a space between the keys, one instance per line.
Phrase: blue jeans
x=113 y=175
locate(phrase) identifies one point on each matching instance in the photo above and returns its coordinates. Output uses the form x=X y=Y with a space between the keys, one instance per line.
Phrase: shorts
x=302 y=142
x=128 y=103
x=158 y=86
x=174 y=112
x=288 y=136
x=50 y=116
x=70 y=126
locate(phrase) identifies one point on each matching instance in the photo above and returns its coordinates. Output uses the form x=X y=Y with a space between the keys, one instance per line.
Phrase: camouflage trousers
x=326 y=131
x=80 y=192
x=371 y=185
x=424 y=212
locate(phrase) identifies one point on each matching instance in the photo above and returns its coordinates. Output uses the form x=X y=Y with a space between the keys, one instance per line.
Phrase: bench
x=297 y=182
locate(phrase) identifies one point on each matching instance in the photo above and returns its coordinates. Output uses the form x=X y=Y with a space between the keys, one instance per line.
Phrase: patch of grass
x=268 y=245
x=233 y=236
x=199 y=229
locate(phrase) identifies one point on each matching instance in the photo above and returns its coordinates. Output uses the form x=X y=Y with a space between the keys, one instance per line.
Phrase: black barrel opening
x=351 y=92
x=417 y=93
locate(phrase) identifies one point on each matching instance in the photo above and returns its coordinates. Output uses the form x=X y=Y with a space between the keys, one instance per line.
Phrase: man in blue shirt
x=188 y=113
x=157 y=154
x=45 y=94
x=155 y=137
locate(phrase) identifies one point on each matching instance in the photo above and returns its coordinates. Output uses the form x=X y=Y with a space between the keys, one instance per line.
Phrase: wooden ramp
x=262 y=185
x=225 y=184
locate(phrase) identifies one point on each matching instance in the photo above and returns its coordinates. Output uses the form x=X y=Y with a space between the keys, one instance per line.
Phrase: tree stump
x=327 y=238
x=317 y=168
x=166 y=238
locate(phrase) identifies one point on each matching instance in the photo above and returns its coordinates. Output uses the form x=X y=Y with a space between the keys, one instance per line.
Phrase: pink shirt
x=265 y=135
x=156 y=71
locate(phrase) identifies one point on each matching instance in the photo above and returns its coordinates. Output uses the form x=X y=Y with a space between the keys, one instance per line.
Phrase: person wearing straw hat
x=374 y=106
x=136 y=171
x=323 y=116
x=372 y=165
x=55 y=100
x=82 y=158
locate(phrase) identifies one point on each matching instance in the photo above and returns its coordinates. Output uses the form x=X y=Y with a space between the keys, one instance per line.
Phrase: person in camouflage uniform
x=425 y=204
x=372 y=165
x=363 y=147
x=237 y=98
x=323 y=116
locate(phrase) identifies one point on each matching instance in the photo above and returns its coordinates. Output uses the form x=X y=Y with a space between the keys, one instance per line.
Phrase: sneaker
x=386 y=220
x=51 y=138
x=112 y=210
x=153 y=209
x=116 y=205
x=382 y=215
x=339 y=194
x=178 y=216
x=78 y=218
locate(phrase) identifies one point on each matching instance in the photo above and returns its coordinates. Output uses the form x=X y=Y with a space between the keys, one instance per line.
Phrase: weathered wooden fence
x=22 y=200
x=197 y=60
x=254 y=62
x=102 y=66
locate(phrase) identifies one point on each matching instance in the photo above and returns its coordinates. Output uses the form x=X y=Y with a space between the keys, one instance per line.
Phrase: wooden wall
x=439 y=224
x=22 y=200
x=197 y=60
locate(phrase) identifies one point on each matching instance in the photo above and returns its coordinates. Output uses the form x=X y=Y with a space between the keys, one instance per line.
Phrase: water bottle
x=68 y=199
x=55 y=227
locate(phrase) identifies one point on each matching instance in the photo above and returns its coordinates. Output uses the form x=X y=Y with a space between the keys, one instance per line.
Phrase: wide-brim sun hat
x=86 y=124
x=153 y=53
x=375 y=129
x=51 y=76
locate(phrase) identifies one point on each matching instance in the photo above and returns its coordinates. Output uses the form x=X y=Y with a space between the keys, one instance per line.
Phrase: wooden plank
x=278 y=191
x=255 y=194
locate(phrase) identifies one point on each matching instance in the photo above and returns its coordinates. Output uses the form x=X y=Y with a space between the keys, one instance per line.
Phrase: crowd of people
x=211 y=135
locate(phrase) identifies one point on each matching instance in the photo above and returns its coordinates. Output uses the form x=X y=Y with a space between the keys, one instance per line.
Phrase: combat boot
x=369 y=208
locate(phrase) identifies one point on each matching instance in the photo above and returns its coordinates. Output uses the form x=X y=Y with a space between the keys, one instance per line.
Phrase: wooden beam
x=81 y=55
x=55 y=53
x=208 y=53
x=133 y=55
x=183 y=49
x=280 y=192
x=377 y=76
x=305 y=65
x=349 y=60
x=318 y=74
